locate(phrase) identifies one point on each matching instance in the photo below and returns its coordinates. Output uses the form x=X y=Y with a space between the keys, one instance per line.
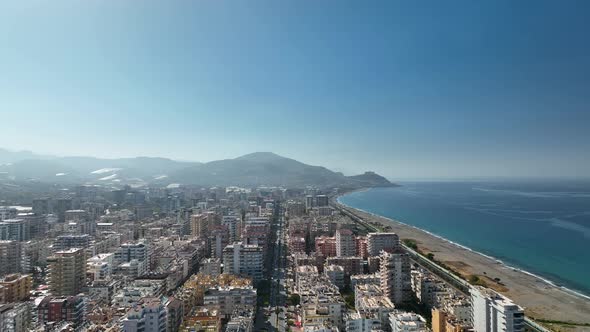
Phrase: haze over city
x=444 y=90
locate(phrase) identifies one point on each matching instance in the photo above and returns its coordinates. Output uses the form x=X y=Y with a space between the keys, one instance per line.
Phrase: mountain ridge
x=253 y=169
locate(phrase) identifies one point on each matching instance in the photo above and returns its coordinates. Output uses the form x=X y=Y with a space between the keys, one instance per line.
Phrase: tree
x=294 y=299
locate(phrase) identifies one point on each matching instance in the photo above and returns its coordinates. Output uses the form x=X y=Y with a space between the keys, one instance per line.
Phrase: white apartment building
x=493 y=312
x=244 y=259
x=396 y=282
x=407 y=322
x=150 y=316
x=100 y=267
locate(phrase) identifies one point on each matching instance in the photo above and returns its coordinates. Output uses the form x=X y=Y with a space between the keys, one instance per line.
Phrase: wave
x=499 y=261
x=537 y=194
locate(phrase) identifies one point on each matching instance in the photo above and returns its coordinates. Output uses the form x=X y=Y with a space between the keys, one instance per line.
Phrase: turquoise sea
x=542 y=227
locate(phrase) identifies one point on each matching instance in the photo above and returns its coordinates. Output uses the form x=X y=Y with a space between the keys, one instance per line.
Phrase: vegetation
x=476 y=280
x=294 y=299
x=430 y=256
x=348 y=295
x=410 y=243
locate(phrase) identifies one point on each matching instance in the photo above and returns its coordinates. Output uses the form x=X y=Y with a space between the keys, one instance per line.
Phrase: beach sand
x=539 y=298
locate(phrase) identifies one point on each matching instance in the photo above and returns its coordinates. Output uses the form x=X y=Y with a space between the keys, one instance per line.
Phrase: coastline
x=541 y=298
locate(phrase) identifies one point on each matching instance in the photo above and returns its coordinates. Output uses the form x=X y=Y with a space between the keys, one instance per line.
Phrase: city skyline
x=444 y=91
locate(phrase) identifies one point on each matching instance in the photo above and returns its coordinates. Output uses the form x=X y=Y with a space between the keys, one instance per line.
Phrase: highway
x=277 y=272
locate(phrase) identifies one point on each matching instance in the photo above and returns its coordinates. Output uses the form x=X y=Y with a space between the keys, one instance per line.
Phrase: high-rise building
x=345 y=243
x=67 y=272
x=396 y=282
x=10 y=257
x=218 y=240
x=199 y=225
x=493 y=312
x=41 y=206
x=15 y=230
x=244 y=260
x=439 y=318
x=309 y=202
x=322 y=200
x=233 y=225
x=382 y=241
x=61 y=206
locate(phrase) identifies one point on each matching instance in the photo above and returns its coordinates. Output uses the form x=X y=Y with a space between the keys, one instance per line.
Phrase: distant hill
x=259 y=168
x=371 y=178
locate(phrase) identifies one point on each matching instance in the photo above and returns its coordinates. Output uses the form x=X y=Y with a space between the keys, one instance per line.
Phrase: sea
x=541 y=227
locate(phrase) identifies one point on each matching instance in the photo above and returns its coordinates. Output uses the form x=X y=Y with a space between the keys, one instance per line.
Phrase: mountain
x=140 y=170
x=259 y=168
x=371 y=178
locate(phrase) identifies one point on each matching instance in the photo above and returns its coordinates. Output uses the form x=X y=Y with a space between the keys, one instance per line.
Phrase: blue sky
x=411 y=89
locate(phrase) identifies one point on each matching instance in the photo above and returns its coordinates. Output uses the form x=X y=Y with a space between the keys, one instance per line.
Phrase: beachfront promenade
x=576 y=313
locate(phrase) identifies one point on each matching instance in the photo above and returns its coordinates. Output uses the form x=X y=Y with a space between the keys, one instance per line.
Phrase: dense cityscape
x=294 y=166
x=186 y=258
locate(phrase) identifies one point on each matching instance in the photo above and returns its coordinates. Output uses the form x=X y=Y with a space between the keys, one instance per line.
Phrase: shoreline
x=553 y=301
x=519 y=269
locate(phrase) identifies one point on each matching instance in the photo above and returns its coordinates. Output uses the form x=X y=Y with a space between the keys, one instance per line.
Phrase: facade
x=64 y=242
x=211 y=266
x=321 y=200
x=382 y=241
x=15 y=317
x=132 y=259
x=218 y=240
x=326 y=246
x=228 y=299
x=395 y=277
x=335 y=274
x=7 y=212
x=351 y=265
x=149 y=316
x=296 y=244
x=493 y=312
x=61 y=309
x=100 y=267
x=345 y=243
x=243 y=259
x=15 y=288
x=407 y=322
x=232 y=222
x=67 y=272
x=15 y=230
x=10 y=257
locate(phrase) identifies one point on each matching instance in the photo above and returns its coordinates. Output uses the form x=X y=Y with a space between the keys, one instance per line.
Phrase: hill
x=259 y=168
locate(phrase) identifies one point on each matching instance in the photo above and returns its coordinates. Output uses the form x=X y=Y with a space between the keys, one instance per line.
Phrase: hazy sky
x=405 y=88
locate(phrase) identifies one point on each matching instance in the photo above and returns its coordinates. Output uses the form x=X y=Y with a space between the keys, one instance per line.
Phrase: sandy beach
x=540 y=299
